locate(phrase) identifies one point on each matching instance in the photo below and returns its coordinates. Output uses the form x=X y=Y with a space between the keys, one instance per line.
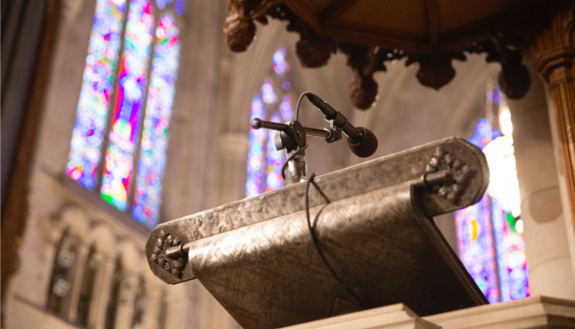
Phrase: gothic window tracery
x=272 y=103
x=119 y=142
x=87 y=290
x=163 y=311
x=114 y=299
x=139 y=305
x=61 y=282
x=490 y=233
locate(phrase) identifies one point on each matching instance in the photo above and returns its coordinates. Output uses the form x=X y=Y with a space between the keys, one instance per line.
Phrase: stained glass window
x=137 y=88
x=274 y=103
x=152 y=161
x=97 y=86
x=128 y=104
x=490 y=233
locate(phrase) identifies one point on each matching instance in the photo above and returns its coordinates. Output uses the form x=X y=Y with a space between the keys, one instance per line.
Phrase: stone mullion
x=102 y=286
x=70 y=307
x=128 y=291
x=153 y=304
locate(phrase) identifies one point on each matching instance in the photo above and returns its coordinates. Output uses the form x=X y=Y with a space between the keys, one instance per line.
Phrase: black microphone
x=361 y=141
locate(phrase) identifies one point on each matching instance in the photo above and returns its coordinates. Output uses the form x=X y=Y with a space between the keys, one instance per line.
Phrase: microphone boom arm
x=292 y=137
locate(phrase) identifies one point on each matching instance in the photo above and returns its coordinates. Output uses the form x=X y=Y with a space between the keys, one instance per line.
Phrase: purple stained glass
x=179 y=5
x=118 y=169
x=279 y=61
x=490 y=246
x=257 y=139
x=286 y=109
x=274 y=160
x=268 y=94
x=264 y=161
x=97 y=86
x=511 y=258
x=495 y=96
x=154 y=146
x=476 y=246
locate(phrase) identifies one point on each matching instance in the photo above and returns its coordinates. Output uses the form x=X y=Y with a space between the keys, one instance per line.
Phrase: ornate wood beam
x=433 y=22
x=434 y=54
x=335 y=10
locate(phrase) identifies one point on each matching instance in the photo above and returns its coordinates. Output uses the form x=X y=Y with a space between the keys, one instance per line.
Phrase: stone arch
x=76 y=221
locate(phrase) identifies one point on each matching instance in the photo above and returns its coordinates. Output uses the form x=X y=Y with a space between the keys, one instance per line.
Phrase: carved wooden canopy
x=429 y=32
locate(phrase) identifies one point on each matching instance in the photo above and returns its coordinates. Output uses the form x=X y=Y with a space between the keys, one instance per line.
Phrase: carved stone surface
x=269 y=275
x=256 y=256
x=164 y=242
x=409 y=165
x=460 y=171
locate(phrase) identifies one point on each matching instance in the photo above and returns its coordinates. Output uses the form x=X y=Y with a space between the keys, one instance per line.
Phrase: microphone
x=366 y=147
x=361 y=141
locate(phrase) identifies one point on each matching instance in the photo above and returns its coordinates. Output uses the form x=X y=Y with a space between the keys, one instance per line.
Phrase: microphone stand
x=292 y=136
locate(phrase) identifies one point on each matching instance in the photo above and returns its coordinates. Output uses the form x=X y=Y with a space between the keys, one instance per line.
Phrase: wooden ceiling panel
x=320 y=5
x=407 y=16
x=455 y=14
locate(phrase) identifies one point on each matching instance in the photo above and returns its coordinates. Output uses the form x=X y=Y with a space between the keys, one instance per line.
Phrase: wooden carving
x=504 y=38
x=239 y=29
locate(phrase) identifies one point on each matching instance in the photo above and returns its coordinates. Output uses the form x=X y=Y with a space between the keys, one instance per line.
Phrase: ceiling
x=417 y=26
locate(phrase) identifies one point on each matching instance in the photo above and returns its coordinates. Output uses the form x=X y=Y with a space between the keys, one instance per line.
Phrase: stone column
x=554 y=52
x=102 y=286
x=153 y=300
x=176 y=311
x=128 y=290
x=70 y=306
x=548 y=257
x=232 y=156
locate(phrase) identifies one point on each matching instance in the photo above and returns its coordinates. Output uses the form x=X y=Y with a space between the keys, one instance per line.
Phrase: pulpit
x=356 y=239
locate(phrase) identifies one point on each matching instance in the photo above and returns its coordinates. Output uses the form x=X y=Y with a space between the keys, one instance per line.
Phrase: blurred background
x=118 y=115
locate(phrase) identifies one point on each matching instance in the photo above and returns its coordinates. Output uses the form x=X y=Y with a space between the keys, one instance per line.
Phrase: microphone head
x=366 y=147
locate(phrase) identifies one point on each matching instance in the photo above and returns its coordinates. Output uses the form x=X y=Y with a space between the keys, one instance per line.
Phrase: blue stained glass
x=476 y=246
x=179 y=5
x=152 y=162
x=97 y=86
x=279 y=61
x=495 y=96
x=257 y=140
x=490 y=246
x=124 y=132
x=264 y=161
x=286 y=109
x=268 y=94
x=511 y=258
x=162 y=3
x=274 y=160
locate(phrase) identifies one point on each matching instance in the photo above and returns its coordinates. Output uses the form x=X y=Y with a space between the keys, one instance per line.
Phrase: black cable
x=316 y=241
x=299 y=103
x=300 y=149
